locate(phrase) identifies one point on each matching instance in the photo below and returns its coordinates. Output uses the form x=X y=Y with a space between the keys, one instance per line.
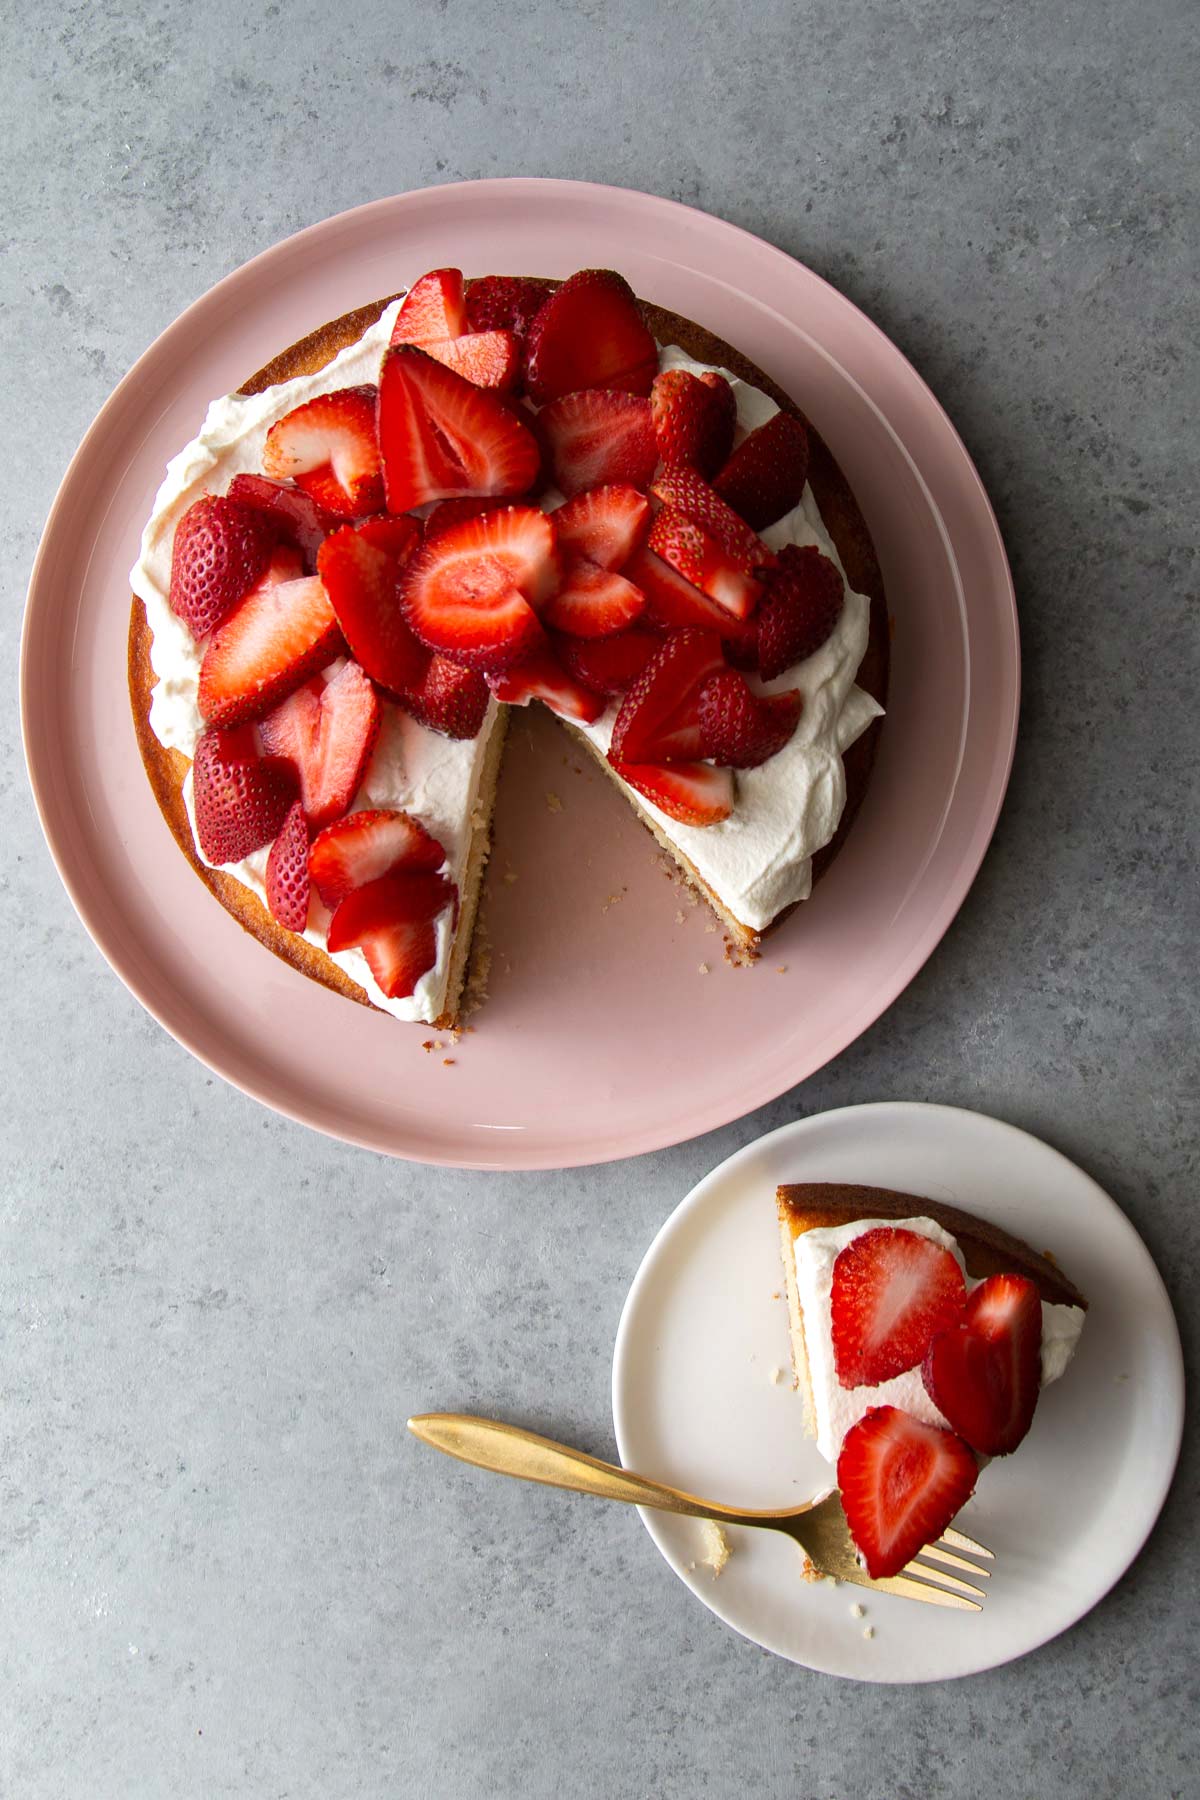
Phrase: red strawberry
x=694 y=416
x=589 y=334
x=689 y=494
x=277 y=638
x=327 y=446
x=801 y=605
x=287 y=872
x=472 y=592
x=902 y=1482
x=605 y=524
x=440 y=435
x=453 y=512
x=297 y=516
x=702 y=561
x=694 y=793
x=504 y=303
x=392 y=921
x=450 y=699
x=365 y=845
x=360 y=567
x=984 y=1375
x=765 y=476
x=893 y=1291
x=595 y=436
x=542 y=676
x=672 y=602
x=327 y=731
x=491 y=359
x=593 y=602
x=741 y=728
x=607 y=665
x=659 y=720
x=221 y=548
x=433 y=308
x=241 y=799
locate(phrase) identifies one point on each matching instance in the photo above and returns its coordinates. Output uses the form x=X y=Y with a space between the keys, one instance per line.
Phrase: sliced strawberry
x=490 y=359
x=692 y=793
x=985 y=1374
x=902 y=1482
x=241 y=799
x=450 y=699
x=297 y=515
x=659 y=720
x=589 y=334
x=392 y=921
x=277 y=638
x=440 y=435
x=741 y=728
x=472 y=592
x=605 y=524
x=433 y=309
x=801 y=605
x=327 y=731
x=597 y=437
x=504 y=303
x=689 y=494
x=287 y=872
x=541 y=676
x=221 y=547
x=593 y=602
x=672 y=602
x=701 y=560
x=893 y=1291
x=453 y=512
x=607 y=665
x=360 y=567
x=328 y=448
x=365 y=845
x=694 y=417
x=765 y=476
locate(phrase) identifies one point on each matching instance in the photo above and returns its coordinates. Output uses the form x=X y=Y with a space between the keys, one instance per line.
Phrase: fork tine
x=958 y=1540
x=912 y=1589
x=944 y=1578
x=956 y=1562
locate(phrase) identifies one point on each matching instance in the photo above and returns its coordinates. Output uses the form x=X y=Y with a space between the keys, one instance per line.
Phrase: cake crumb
x=868 y=1631
x=711 y=927
x=775 y=1376
x=717 y=1548
x=428 y=1045
x=858 y=1611
x=704 y=968
x=447 y=1062
x=781 y=968
x=553 y=803
x=613 y=900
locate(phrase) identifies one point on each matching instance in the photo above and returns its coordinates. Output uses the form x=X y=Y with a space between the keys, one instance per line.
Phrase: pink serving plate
x=602 y=1037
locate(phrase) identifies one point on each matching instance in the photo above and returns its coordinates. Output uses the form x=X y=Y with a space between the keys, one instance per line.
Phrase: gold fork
x=819 y=1528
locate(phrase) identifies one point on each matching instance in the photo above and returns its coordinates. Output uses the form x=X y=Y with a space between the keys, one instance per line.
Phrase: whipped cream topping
x=758 y=861
x=837 y=1408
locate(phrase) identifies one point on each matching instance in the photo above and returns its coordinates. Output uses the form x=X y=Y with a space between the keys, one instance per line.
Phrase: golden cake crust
x=843 y=520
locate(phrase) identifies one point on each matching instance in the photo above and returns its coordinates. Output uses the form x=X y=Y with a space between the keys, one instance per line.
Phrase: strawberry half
x=705 y=563
x=985 y=1374
x=689 y=494
x=692 y=793
x=504 y=303
x=593 y=602
x=328 y=448
x=801 y=605
x=741 y=728
x=360 y=568
x=596 y=437
x=605 y=524
x=765 y=476
x=659 y=720
x=327 y=731
x=902 y=1482
x=608 y=665
x=298 y=517
x=440 y=435
x=589 y=334
x=694 y=417
x=277 y=638
x=450 y=699
x=365 y=845
x=392 y=921
x=541 y=676
x=221 y=548
x=241 y=799
x=287 y=872
x=893 y=1291
x=472 y=592
x=672 y=602
x=490 y=359
x=433 y=308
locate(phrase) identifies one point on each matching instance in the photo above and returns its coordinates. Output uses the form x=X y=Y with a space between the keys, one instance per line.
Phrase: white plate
x=705 y=1324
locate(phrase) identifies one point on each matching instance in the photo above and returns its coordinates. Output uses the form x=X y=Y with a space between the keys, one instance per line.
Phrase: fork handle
x=508 y=1450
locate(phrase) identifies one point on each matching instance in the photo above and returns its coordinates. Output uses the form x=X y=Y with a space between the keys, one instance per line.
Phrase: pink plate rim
x=601 y=1144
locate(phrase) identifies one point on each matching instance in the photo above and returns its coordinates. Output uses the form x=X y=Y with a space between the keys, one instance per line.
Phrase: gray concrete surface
x=222 y=1571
